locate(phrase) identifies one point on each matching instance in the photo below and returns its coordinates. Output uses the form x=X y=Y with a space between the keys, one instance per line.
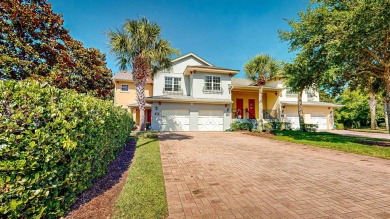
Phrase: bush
x=382 y=125
x=310 y=127
x=53 y=145
x=276 y=125
x=241 y=126
x=340 y=126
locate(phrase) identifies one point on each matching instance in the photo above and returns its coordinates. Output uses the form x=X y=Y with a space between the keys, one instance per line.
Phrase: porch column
x=261 y=117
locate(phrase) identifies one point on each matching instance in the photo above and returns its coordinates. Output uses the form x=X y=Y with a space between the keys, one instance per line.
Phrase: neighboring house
x=125 y=96
x=194 y=95
x=279 y=104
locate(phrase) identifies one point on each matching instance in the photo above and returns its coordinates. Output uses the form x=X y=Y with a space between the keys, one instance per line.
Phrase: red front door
x=252 y=111
x=148 y=115
x=240 y=108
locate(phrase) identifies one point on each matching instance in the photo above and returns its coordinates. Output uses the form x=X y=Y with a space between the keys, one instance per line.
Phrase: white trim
x=193 y=55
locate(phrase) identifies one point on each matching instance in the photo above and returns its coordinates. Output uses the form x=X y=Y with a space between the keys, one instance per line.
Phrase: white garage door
x=320 y=120
x=294 y=120
x=175 y=120
x=210 y=120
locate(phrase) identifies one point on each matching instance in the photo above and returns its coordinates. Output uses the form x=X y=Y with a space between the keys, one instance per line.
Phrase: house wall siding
x=198 y=83
x=125 y=98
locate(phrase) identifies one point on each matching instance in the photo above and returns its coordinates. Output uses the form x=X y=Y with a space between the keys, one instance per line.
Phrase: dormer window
x=172 y=84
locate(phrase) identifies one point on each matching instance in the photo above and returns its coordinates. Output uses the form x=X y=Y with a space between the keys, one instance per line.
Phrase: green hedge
x=53 y=145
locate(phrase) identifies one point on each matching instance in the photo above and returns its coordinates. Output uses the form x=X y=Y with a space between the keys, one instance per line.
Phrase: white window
x=212 y=83
x=172 y=84
x=125 y=88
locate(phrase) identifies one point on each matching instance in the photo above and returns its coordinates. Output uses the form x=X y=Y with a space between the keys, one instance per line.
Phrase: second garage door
x=320 y=120
x=175 y=120
x=210 y=120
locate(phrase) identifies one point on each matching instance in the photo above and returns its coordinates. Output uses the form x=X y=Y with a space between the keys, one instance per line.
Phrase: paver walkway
x=234 y=175
x=360 y=134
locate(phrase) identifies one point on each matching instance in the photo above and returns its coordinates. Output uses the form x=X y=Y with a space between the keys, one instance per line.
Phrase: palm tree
x=260 y=69
x=138 y=45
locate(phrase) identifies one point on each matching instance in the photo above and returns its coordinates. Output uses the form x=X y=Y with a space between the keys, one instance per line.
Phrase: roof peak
x=193 y=55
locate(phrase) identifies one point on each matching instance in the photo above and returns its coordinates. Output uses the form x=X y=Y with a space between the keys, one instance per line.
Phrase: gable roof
x=209 y=69
x=193 y=55
x=127 y=76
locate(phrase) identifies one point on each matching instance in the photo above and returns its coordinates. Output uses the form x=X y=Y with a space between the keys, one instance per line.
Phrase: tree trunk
x=300 y=112
x=372 y=103
x=387 y=83
x=140 y=92
x=385 y=109
x=261 y=116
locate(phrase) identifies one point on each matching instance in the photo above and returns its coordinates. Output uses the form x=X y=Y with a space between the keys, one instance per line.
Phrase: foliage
x=143 y=195
x=53 y=144
x=276 y=125
x=340 y=126
x=355 y=112
x=262 y=68
x=347 y=41
x=138 y=45
x=34 y=44
x=241 y=126
x=309 y=127
x=337 y=142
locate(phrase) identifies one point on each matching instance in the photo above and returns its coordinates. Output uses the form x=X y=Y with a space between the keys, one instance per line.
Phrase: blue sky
x=225 y=33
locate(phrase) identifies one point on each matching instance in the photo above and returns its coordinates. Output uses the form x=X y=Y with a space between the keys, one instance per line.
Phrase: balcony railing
x=170 y=91
x=212 y=91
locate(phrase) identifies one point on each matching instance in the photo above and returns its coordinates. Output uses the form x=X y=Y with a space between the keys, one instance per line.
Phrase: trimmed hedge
x=53 y=145
x=241 y=126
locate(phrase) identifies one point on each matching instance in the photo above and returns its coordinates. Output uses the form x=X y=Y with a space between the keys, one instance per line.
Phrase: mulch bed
x=99 y=200
x=261 y=134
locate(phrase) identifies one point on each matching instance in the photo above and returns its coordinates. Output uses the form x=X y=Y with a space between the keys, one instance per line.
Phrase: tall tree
x=260 y=69
x=299 y=78
x=139 y=46
x=34 y=44
x=347 y=38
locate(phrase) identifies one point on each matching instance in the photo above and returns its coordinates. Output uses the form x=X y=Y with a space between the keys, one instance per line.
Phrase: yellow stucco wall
x=246 y=95
x=125 y=98
x=272 y=100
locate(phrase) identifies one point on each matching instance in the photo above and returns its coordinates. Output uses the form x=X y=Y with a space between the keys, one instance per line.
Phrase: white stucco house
x=194 y=95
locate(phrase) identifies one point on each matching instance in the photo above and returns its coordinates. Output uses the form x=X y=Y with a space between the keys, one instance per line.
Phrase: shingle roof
x=242 y=81
x=127 y=76
x=310 y=103
x=186 y=99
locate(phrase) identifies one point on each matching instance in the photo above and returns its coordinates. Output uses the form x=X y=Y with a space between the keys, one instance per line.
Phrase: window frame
x=174 y=81
x=128 y=88
x=211 y=85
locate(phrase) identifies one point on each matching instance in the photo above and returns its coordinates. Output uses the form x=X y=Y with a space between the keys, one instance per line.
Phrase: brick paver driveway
x=234 y=175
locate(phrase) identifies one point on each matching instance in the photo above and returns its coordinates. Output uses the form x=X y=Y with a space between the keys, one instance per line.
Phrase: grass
x=143 y=195
x=357 y=145
x=371 y=130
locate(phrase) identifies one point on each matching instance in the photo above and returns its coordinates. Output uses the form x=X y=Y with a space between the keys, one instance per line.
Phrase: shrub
x=340 y=126
x=310 y=127
x=382 y=125
x=276 y=125
x=241 y=126
x=53 y=145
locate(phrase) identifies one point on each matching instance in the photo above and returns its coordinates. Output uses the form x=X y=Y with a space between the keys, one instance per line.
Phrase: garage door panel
x=210 y=120
x=321 y=121
x=175 y=120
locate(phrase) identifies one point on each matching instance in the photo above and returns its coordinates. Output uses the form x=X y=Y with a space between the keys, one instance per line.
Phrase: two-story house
x=194 y=95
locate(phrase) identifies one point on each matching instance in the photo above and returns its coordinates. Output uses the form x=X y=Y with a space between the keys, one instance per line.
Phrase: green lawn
x=143 y=195
x=371 y=130
x=357 y=145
